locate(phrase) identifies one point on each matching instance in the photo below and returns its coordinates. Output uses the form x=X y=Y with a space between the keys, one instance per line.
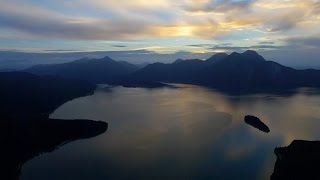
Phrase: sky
x=286 y=31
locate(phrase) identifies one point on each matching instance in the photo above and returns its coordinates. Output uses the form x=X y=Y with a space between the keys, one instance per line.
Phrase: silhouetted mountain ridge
x=216 y=58
x=103 y=70
x=238 y=71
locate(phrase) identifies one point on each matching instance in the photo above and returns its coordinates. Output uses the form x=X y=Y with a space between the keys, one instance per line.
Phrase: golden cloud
x=134 y=19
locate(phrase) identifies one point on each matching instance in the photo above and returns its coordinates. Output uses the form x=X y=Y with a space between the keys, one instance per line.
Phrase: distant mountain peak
x=89 y=60
x=253 y=55
x=104 y=70
x=247 y=55
x=217 y=57
x=178 y=60
x=106 y=58
x=251 y=52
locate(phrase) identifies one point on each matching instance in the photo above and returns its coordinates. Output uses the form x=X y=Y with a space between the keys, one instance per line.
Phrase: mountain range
x=237 y=71
x=103 y=70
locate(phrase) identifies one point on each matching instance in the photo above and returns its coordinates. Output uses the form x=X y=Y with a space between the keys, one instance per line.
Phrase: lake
x=189 y=132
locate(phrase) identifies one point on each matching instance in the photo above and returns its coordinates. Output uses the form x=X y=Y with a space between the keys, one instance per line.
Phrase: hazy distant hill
x=103 y=70
x=236 y=71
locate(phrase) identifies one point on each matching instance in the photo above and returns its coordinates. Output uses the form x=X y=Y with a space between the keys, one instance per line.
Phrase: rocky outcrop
x=299 y=160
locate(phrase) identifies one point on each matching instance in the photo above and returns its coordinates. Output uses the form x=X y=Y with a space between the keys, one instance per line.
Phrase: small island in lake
x=256 y=123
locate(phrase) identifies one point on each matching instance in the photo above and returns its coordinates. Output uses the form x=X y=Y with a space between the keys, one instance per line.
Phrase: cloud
x=267 y=42
x=229 y=47
x=243 y=48
x=140 y=19
x=200 y=45
x=119 y=46
x=285 y=21
x=218 y=6
x=39 y=23
x=304 y=41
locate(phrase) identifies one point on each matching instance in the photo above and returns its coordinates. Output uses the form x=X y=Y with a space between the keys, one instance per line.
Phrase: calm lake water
x=189 y=132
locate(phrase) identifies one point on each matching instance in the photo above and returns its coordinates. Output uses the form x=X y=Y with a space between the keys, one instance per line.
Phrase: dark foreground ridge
x=25 y=129
x=300 y=160
x=256 y=123
x=22 y=140
x=24 y=94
